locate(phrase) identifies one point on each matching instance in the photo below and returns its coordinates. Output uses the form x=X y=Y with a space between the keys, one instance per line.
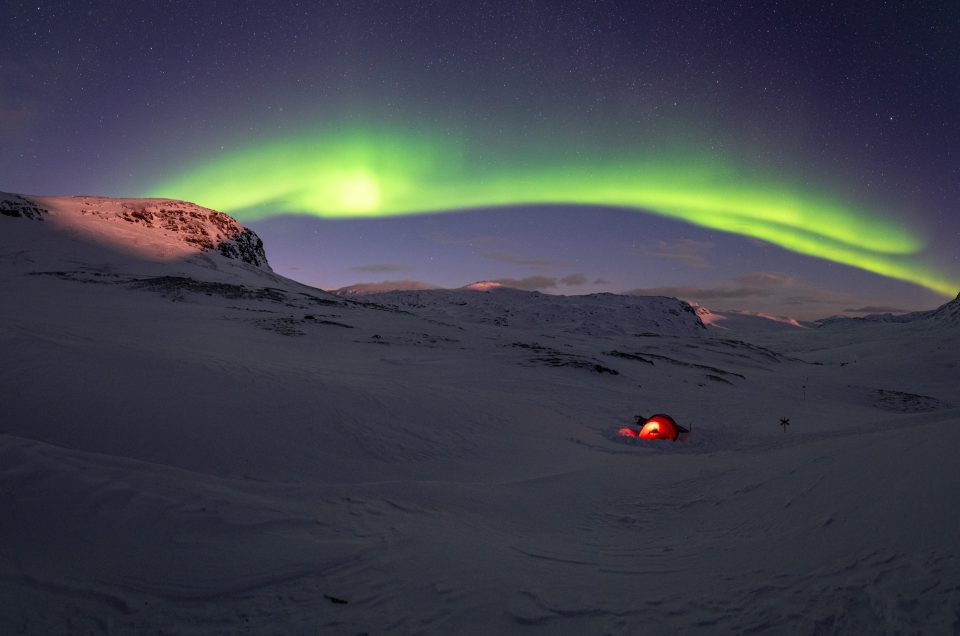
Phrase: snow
x=548 y=315
x=192 y=444
x=747 y=321
x=484 y=285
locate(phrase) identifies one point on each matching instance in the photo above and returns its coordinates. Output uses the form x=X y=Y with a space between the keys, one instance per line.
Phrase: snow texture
x=192 y=444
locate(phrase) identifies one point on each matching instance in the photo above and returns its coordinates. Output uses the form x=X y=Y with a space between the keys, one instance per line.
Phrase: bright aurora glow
x=368 y=172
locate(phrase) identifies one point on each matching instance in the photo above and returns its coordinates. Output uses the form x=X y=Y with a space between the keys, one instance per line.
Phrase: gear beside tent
x=659 y=426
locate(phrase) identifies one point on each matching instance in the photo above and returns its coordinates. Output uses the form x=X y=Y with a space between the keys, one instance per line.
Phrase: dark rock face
x=16 y=206
x=690 y=309
x=246 y=247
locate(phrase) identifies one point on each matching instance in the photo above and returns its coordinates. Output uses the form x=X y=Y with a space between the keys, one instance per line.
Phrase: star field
x=844 y=102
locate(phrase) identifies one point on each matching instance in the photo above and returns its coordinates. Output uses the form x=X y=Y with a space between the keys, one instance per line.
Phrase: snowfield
x=192 y=444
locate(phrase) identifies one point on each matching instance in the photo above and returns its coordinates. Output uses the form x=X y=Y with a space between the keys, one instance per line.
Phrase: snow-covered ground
x=191 y=444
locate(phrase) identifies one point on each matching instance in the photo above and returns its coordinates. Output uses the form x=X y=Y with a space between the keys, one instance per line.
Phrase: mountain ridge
x=946 y=314
x=164 y=226
x=589 y=314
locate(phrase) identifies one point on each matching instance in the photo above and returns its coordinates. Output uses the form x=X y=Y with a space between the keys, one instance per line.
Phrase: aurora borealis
x=793 y=158
x=369 y=173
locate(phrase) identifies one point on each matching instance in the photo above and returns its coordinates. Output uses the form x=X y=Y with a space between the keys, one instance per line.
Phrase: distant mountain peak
x=949 y=312
x=503 y=307
x=485 y=285
x=946 y=314
x=364 y=289
x=740 y=320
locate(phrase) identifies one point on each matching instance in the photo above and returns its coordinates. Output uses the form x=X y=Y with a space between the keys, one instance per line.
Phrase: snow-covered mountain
x=746 y=321
x=364 y=289
x=132 y=230
x=592 y=314
x=588 y=315
x=946 y=314
x=192 y=444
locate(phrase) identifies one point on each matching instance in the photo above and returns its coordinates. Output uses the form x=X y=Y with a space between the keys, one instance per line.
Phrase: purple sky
x=109 y=97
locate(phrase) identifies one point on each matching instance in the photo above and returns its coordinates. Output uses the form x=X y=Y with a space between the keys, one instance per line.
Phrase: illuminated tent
x=661 y=427
x=657 y=426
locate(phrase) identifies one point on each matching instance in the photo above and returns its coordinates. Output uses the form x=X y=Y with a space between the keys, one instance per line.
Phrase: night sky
x=798 y=158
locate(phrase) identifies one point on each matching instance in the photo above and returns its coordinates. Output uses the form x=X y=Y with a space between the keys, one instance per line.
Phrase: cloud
x=689 y=292
x=487 y=247
x=685 y=251
x=445 y=238
x=787 y=289
x=386 y=285
x=768 y=279
x=574 y=279
x=530 y=283
x=766 y=292
x=381 y=267
x=879 y=309
x=516 y=259
x=601 y=281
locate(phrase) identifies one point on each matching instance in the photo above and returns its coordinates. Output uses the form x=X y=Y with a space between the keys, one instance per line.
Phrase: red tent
x=661 y=427
x=658 y=426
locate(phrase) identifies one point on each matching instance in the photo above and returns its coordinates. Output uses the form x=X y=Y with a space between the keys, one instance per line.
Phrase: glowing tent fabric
x=658 y=426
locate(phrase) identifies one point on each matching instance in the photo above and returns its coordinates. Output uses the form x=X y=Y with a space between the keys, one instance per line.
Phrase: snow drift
x=192 y=444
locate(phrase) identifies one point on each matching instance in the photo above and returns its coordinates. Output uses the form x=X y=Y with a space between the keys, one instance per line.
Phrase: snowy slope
x=589 y=315
x=746 y=321
x=948 y=313
x=142 y=235
x=191 y=444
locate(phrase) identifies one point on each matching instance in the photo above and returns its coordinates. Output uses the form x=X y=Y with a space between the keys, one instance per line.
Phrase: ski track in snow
x=195 y=445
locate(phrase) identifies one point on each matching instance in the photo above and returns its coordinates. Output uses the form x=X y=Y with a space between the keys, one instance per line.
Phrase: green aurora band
x=368 y=172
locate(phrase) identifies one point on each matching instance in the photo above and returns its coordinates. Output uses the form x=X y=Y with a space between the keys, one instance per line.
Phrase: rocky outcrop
x=206 y=229
x=16 y=206
x=948 y=313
